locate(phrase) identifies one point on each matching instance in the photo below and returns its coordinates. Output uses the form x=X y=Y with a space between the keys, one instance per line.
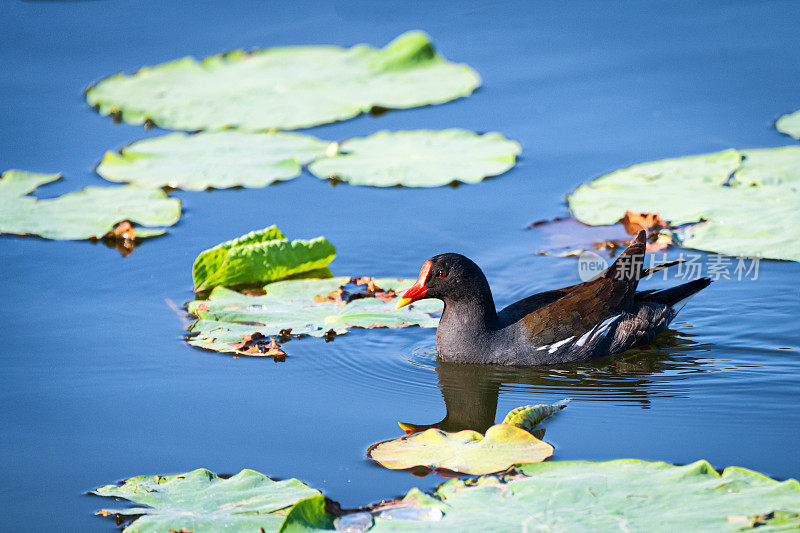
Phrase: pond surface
x=98 y=385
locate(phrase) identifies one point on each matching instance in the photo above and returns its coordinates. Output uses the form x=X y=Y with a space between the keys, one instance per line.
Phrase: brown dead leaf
x=566 y=236
x=255 y=344
x=256 y=291
x=635 y=222
x=335 y=297
x=662 y=242
x=123 y=230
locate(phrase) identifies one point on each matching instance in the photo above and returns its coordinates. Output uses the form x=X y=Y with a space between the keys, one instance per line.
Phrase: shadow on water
x=471 y=392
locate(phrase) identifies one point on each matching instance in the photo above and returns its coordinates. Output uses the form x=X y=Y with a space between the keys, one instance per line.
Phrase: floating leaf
x=419 y=158
x=466 y=451
x=212 y=159
x=89 y=213
x=529 y=416
x=201 y=501
x=748 y=199
x=284 y=88
x=315 y=307
x=259 y=256
x=307 y=514
x=622 y=495
x=790 y=124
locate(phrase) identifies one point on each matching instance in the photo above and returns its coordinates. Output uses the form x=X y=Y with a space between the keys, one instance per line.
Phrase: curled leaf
x=529 y=416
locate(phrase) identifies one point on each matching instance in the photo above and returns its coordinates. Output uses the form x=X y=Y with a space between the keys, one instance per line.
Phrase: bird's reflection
x=471 y=392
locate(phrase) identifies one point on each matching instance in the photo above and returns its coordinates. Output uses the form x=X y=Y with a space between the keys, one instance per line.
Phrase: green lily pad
x=466 y=451
x=746 y=199
x=315 y=307
x=89 y=213
x=212 y=159
x=789 y=124
x=259 y=256
x=419 y=158
x=613 y=496
x=284 y=88
x=202 y=501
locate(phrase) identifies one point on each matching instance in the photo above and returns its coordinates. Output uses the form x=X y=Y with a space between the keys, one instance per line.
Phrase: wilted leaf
x=304 y=307
x=201 y=501
x=613 y=496
x=284 y=88
x=259 y=256
x=89 y=213
x=747 y=200
x=419 y=158
x=789 y=124
x=212 y=159
x=634 y=222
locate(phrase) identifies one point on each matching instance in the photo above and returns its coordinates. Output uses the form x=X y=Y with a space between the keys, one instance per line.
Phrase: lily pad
x=259 y=256
x=790 y=124
x=212 y=159
x=466 y=451
x=284 y=88
x=89 y=213
x=202 y=501
x=747 y=200
x=315 y=307
x=419 y=158
x=622 y=495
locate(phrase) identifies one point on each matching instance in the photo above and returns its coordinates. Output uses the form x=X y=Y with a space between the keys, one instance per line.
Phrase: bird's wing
x=583 y=307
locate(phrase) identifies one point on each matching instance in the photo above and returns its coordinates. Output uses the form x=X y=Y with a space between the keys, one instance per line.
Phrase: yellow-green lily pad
x=465 y=451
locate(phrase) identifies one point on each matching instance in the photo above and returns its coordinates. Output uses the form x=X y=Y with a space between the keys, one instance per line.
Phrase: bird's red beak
x=418 y=289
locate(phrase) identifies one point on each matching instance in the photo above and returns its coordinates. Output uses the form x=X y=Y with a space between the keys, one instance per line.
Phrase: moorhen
x=602 y=316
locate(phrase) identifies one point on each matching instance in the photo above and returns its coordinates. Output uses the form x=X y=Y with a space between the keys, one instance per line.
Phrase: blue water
x=96 y=383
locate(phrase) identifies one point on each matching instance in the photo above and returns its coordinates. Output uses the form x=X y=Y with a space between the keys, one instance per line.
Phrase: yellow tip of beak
x=402 y=302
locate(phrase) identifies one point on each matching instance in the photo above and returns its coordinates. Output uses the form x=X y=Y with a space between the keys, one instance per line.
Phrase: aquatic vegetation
x=504 y=445
x=212 y=159
x=528 y=417
x=228 y=319
x=416 y=158
x=623 y=494
x=89 y=213
x=202 y=501
x=419 y=158
x=741 y=203
x=284 y=88
x=789 y=124
x=259 y=256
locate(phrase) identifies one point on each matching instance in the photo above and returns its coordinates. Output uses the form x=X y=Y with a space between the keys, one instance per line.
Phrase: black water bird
x=602 y=316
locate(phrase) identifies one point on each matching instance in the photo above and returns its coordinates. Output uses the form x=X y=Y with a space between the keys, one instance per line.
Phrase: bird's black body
x=602 y=316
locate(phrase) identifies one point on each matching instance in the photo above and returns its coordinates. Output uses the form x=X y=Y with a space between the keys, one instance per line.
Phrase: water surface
x=97 y=384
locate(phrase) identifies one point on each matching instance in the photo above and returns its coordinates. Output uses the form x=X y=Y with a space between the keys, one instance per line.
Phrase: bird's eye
x=442 y=273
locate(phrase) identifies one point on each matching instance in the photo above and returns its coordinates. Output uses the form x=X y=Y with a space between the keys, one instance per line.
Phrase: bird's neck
x=470 y=314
